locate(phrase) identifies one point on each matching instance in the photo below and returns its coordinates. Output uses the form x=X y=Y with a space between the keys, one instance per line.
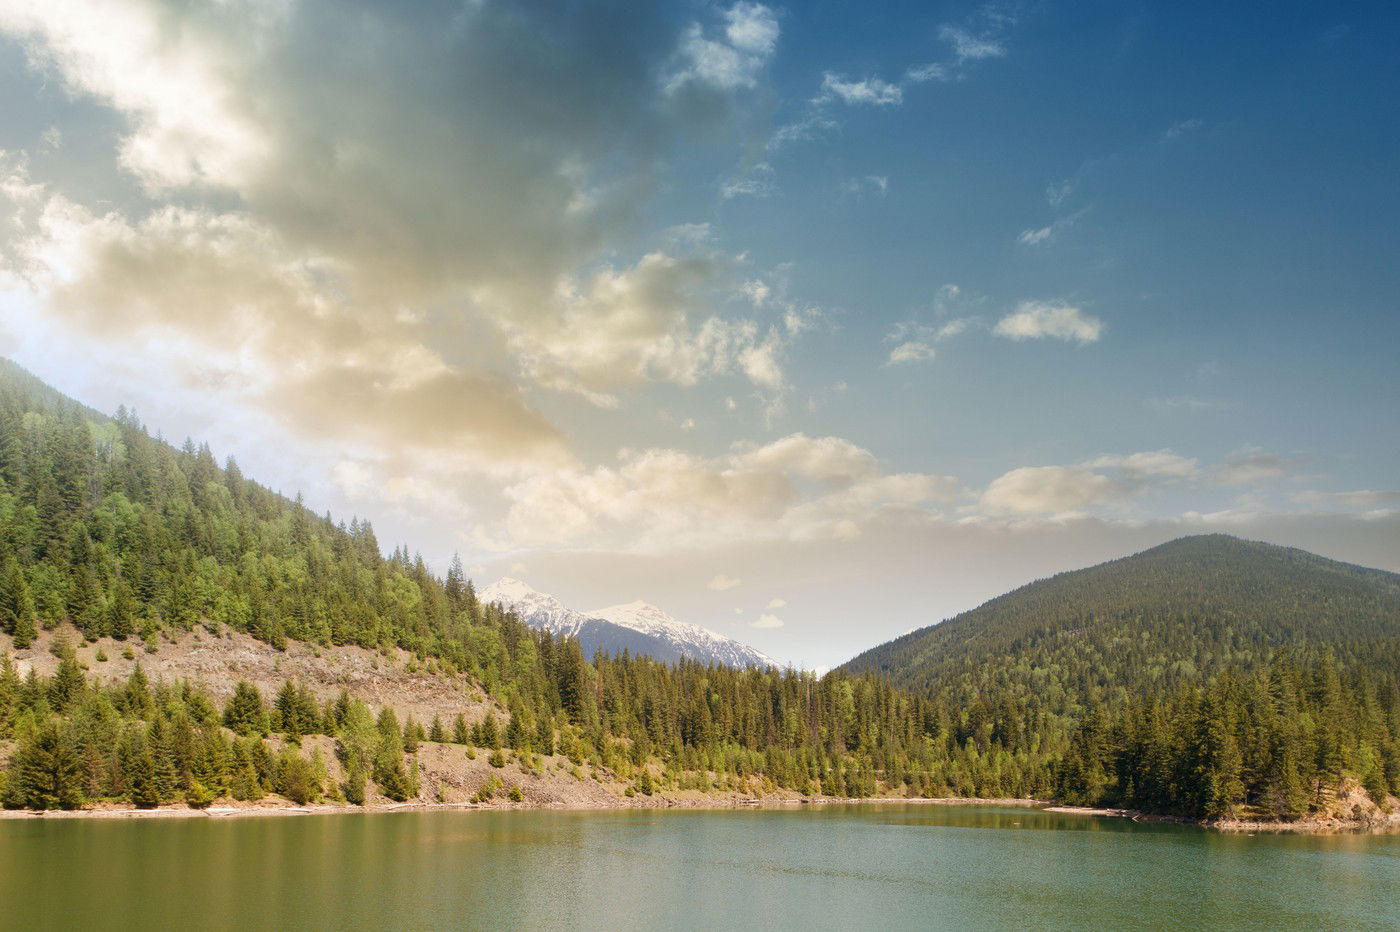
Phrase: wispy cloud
x=915 y=340
x=1179 y=129
x=1188 y=403
x=876 y=185
x=1040 y=235
x=968 y=46
x=1361 y=498
x=864 y=91
x=1250 y=464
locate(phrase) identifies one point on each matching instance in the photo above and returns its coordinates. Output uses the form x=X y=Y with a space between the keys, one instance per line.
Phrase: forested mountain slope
x=1208 y=677
x=128 y=538
x=1180 y=611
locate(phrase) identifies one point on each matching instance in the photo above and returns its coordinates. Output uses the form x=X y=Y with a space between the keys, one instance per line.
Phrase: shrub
x=199 y=796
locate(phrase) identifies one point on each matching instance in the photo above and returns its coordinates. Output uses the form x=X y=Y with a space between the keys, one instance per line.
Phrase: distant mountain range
x=638 y=627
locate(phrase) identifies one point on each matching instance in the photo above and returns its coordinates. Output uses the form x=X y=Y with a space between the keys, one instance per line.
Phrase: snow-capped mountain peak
x=691 y=640
x=535 y=608
x=637 y=626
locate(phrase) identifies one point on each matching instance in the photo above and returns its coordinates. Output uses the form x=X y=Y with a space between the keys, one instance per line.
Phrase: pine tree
x=47 y=771
x=289 y=712
x=245 y=712
x=16 y=604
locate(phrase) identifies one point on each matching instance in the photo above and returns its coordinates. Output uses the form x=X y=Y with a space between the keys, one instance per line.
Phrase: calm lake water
x=850 y=867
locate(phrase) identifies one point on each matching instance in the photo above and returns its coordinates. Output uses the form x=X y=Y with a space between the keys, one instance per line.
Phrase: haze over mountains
x=636 y=626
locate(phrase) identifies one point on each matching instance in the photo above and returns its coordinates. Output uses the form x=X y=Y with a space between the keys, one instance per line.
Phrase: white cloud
x=910 y=351
x=1048 y=490
x=648 y=323
x=794 y=488
x=1045 y=234
x=767 y=621
x=777 y=603
x=733 y=62
x=1103 y=480
x=1036 y=236
x=188 y=127
x=341 y=257
x=723 y=583
x=866 y=91
x=1034 y=320
x=1154 y=463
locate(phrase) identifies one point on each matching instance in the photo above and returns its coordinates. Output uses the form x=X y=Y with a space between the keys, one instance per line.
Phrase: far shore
x=275 y=808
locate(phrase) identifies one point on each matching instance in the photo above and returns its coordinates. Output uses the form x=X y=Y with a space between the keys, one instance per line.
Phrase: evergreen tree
x=46 y=772
x=16 y=604
x=245 y=712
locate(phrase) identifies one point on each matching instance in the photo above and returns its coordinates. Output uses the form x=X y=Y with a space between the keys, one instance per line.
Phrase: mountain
x=1179 y=611
x=160 y=556
x=694 y=641
x=638 y=627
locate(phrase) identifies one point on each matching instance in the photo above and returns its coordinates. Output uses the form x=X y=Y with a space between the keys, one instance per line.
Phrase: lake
x=874 y=866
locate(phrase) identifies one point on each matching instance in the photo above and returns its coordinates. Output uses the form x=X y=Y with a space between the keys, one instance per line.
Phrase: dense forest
x=1098 y=695
x=1281 y=663
x=127 y=537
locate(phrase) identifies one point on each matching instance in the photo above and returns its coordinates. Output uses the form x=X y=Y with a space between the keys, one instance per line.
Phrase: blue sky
x=809 y=322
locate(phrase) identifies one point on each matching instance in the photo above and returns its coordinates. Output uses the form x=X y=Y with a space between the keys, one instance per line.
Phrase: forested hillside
x=1178 y=612
x=130 y=538
x=1205 y=662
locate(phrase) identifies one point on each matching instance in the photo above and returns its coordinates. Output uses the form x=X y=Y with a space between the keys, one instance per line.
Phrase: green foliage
x=296 y=778
x=245 y=712
x=46 y=772
x=198 y=796
x=1208 y=677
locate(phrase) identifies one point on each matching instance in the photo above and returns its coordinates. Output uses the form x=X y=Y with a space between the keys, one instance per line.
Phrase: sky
x=813 y=323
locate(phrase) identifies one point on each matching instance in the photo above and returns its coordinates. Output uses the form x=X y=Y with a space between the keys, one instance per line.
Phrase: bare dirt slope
x=218 y=663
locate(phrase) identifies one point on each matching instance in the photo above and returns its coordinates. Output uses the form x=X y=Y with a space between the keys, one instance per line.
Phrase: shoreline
x=1387 y=825
x=718 y=803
